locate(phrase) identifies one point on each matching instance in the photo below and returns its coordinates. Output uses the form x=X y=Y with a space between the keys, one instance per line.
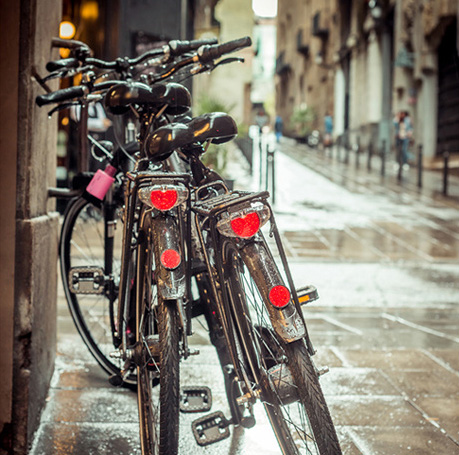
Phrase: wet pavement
x=384 y=258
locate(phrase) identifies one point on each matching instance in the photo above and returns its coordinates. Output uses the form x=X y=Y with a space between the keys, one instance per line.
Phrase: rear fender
x=171 y=283
x=286 y=321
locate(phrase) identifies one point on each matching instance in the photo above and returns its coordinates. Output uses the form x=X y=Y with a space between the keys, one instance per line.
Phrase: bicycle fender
x=286 y=321
x=170 y=280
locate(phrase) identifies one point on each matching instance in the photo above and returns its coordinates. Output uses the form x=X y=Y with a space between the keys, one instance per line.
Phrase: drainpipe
x=378 y=11
x=385 y=124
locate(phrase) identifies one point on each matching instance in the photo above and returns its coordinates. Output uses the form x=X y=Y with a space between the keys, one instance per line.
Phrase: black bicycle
x=189 y=247
x=90 y=242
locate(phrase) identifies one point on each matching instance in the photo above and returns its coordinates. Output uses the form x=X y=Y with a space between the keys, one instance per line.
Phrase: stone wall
x=29 y=248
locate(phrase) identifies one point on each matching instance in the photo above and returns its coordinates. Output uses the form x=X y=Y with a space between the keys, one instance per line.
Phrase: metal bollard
x=383 y=158
x=400 y=160
x=419 y=163
x=271 y=173
x=346 y=153
x=370 y=155
x=260 y=147
x=445 y=172
x=357 y=153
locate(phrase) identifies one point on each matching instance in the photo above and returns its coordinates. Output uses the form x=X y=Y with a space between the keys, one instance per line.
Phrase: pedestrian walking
x=278 y=127
x=403 y=137
x=328 y=127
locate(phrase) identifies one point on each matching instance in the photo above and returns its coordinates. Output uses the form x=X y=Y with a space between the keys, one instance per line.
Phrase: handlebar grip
x=181 y=47
x=61 y=95
x=231 y=46
x=65 y=63
x=208 y=53
x=68 y=43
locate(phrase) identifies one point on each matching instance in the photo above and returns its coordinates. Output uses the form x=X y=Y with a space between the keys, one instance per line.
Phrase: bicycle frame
x=288 y=322
x=167 y=228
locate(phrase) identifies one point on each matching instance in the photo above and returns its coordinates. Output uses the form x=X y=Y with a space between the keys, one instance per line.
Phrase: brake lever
x=225 y=61
x=60 y=107
x=54 y=74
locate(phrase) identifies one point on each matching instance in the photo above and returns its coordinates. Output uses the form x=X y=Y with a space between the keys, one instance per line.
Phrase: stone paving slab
x=402 y=441
x=87 y=438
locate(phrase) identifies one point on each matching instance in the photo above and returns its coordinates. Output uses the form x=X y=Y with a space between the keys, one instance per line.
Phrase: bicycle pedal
x=195 y=399
x=211 y=428
x=116 y=380
x=86 y=280
x=323 y=370
x=307 y=294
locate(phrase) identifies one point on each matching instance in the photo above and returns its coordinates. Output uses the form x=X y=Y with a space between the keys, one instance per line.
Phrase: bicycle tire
x=82 y=244
x=157 y=320
x=267 y=352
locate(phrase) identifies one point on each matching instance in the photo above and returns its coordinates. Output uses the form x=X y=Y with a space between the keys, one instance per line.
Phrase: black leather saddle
x=216 y=126
x=122 y=95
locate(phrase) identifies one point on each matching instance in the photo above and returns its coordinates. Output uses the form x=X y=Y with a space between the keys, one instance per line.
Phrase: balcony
x=317 y=30
x=300 y=46
x=282 y=68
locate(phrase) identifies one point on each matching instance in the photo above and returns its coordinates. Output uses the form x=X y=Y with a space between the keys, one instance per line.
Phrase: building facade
x=229 y=86
x=364 y=61
x=304 y=69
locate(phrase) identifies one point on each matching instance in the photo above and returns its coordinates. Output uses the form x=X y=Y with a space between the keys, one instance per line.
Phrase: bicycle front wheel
x=282 y=373
x=86 y=243
x=158 y=372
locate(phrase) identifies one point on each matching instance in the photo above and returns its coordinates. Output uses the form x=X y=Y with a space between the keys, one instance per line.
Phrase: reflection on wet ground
x=367 y=218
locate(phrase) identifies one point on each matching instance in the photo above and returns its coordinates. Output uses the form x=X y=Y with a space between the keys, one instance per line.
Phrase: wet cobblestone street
x=384 y=258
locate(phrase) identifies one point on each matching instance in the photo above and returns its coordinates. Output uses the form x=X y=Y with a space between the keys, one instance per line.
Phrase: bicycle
x=255 y=321
x=212 y=236
x=88 y=234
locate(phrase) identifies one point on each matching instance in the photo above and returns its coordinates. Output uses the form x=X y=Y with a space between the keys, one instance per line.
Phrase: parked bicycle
x=190 y=246
x=88 y=234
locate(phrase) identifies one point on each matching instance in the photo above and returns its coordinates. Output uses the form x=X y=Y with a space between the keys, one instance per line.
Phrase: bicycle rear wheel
x=283 y=374
x=158 y=372
x=83 y=244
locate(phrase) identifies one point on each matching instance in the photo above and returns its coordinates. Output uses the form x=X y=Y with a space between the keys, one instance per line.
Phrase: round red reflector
x=279 y=296
x=170 y=259
x=246 y=226
x=163 y=200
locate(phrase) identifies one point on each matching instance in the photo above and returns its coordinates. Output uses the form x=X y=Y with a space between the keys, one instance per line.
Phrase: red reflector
x=279 y=296
x=246 y=226
x=170 y=259
x=163 y=200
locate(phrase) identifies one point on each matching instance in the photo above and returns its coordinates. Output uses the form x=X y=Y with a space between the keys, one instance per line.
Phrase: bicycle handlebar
x=177 y=48
x=66 y=63
x=68 y=43
x=61 y=95
x=208 y=53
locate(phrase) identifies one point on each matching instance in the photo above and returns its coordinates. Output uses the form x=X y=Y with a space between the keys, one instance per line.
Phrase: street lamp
x=66 y=30
x=375 y=10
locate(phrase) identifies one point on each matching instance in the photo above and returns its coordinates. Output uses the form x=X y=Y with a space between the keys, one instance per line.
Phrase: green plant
x=216 y=157
x=302 y=119
x=205 y=104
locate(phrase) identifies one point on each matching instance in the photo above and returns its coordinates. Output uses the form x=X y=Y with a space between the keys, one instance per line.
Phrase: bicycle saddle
x=120 y=96
x=164 y=140
x=218 y=126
